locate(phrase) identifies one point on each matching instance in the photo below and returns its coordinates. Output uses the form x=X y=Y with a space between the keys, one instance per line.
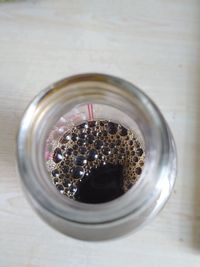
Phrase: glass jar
x=85 y=97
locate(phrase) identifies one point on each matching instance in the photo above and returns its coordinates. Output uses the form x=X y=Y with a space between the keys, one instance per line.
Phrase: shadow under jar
x=96 y=156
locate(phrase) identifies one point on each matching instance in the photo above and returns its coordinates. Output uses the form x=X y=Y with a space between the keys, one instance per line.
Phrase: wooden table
x=156 y=45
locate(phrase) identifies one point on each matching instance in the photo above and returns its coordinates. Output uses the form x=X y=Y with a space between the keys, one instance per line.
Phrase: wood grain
x=154 y=44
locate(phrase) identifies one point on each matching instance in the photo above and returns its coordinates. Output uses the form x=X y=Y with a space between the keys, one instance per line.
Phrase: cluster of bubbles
x=89 y=145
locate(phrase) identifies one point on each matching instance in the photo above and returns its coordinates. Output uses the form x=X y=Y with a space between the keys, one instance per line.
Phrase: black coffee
x=96 y=161
x=103 y=184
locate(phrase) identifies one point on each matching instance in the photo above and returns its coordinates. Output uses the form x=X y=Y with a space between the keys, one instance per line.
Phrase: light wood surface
x=153 y=43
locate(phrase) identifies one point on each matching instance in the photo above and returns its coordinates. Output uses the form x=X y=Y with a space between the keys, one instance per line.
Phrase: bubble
x=137 y=144
x=95 y=133
x=90 y=138
x=65 y=168
x=66 y=182
x=122 y=150
x=65 y=138
x=139 y=152
x=129 y=185
x=55 y=180
x=75 y=152
x=60 y=187
x=106 y=151
x=82 y=150
x=67 y=162
x=123 y=131
x=55 y=173
x=82 y=135
x=91 y=123
x=57 y=155
x=75 y=147
x=88 y=131
x=66 y=192
x=61 y=176
x=104 y=133
x=80 y=160
x=98 y=144
x=101 y=157
x=99 y=134
x=141 y=162
x=132 y=153
x=74 y=137
x=78 y=172
x=131 y=142
x=115 y=151
x=120 y=156
x=92 y=155
x=112 y=127
x=80 y=142
x=112 y=145
x=83 y=126
x=138 y=170
x=72 y=189
x=69 y=151
x=118 y=142
x=135 y=159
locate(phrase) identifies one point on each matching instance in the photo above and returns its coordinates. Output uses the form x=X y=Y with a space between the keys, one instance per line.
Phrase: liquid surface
x=96 y=161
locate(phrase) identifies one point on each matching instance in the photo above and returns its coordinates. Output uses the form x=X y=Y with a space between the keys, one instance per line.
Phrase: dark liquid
x=96 y=162
x=102 y=185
